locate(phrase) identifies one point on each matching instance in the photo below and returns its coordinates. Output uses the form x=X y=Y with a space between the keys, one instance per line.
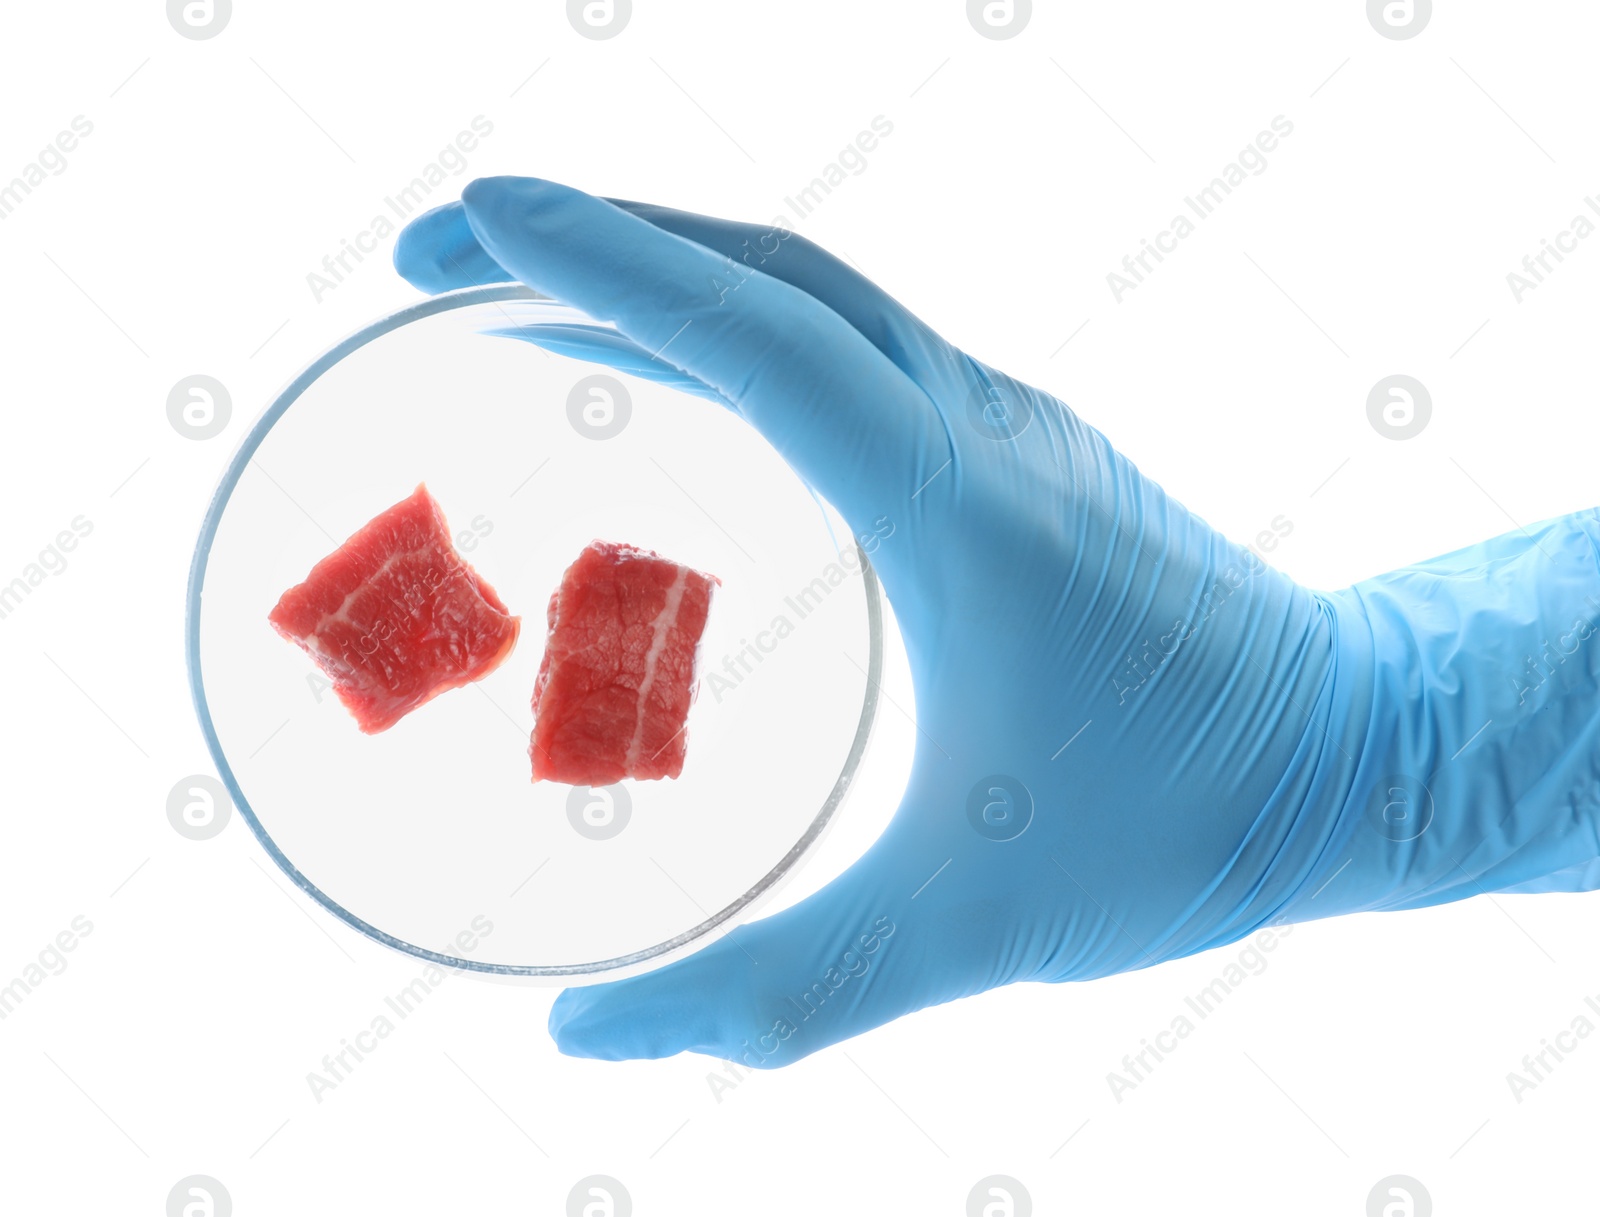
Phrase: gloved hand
x=1135 y=740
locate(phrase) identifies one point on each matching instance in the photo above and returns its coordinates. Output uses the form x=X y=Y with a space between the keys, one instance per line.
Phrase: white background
x=1019 y=173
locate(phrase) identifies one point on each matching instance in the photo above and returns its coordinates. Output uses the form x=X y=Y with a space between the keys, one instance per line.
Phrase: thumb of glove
x=846 y=959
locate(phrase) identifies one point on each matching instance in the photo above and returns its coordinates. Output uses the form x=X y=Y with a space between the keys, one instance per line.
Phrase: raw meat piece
x=395 y=617
x=618 y=674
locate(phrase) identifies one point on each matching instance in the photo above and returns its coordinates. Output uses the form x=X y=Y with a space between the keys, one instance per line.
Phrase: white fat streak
x=341 y=614
x=658 y=641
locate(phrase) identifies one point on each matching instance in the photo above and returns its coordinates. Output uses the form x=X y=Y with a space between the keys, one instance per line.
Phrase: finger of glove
x=841 y=414
x=903 y=338
x=845 y=418
x=438 y=252
x=600 y=344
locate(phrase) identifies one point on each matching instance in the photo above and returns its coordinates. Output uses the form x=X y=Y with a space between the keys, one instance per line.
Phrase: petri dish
x=431 y=837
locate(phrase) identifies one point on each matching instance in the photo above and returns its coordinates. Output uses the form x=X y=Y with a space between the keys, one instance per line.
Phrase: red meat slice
x=395 y=617
x=618 y=675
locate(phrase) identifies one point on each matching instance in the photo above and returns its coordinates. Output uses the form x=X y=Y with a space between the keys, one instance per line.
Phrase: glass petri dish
x=432 y=837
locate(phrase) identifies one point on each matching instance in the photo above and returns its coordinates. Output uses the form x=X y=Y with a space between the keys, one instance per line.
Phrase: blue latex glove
x=1136 y=741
